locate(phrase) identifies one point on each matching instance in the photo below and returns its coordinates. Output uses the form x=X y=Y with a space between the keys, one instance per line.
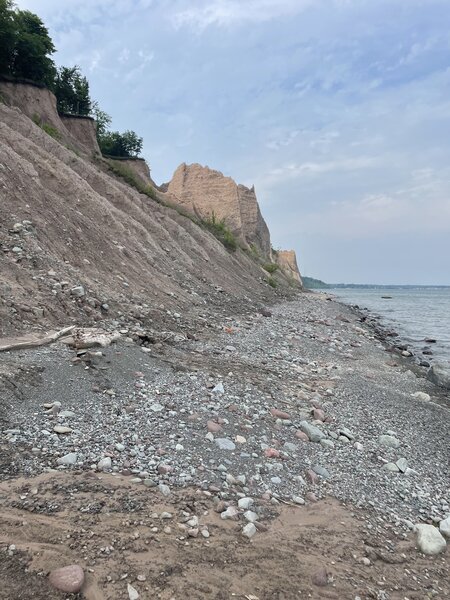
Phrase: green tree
x=127 y=144
x=102 y=118
x=72 y=91
x=33 y=49
x=7 y=36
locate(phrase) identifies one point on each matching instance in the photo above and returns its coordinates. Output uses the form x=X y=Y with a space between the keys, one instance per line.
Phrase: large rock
x=205 y=192
x=313 y=432
x=429 y=540
x=287 y=261
x=439 y=374
x=444 y=527
x=68 y=579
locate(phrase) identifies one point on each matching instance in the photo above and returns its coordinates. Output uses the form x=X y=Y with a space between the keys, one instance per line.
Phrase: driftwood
x=23 y=343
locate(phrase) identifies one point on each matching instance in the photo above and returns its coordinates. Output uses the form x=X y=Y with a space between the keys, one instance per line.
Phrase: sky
x=338 y=111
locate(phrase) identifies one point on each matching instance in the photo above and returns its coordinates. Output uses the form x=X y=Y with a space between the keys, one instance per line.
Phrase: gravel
x=311 y=367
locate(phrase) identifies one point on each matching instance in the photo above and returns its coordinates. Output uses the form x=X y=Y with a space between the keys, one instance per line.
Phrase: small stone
x=346 y=433
x=392 y=467
x=230 y=513
x=301 y=435
x=429 y=540
x=104 y=464
x=388 y=440
x=239 y=439
x=422 y=396
x=279 y=414
x=149 y=483
x=164 y=489
x=68 y=459
x=225 y=444
x=271 y=453
x=326 y=443
x=444 y=527
x=298 y=500
x=120 y=447
x=77 y=291
x=249 y=530
x=245 y=503
x=358 y=446
x=132 y=592
x=68 y=579
x=313 y=432
x=218 y=389
x=213 y=427
x=62 y=429
x=321 y=471
x=402 y=464
x=320 y=577
x=318 y=414
x=250 y=516
x=366 y=561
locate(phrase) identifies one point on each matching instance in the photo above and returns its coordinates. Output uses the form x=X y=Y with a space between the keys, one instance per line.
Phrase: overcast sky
x=338 y=111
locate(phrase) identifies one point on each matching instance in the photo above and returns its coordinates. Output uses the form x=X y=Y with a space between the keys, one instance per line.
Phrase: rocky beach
x=277 y=453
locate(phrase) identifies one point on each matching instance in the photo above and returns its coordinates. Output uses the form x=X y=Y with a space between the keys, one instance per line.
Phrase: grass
x=129 y=177
x=49 y=129
x=271 y=281
x=270 y=267
x=221 y=232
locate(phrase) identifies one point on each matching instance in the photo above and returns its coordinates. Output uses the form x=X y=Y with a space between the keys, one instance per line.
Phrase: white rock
x=429 y=540
x=421 y=396
x=250 y=516
x=104 y=464
x=132 y=592
x=68 y=459
x=230 y=513
x=225 y=444
x=388 y=440
x=218 y=389
x=245 y=503
x=249 y=530
x=444 y=527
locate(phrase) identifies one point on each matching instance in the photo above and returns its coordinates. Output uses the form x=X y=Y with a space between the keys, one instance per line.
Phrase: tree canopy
x=72 y=91
x=25 y=45
x=127 y=144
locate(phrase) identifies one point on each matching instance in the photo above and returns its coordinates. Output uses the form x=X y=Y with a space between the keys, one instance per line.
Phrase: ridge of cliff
x=80 y=245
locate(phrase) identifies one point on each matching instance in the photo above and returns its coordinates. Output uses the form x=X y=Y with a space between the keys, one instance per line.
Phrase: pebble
x=250 y=516
x=245 y=503
x=164 y=489
x=444 y=527
x=225 y=444
x=388 y=440
x=132 y=592
x=104 y=464
x=392 y=467
x=421 y=396
x=62 y=429
x=249 y=530
x=68 y=459
x=313 y=432
x=321 y=471
x=402 y=464
x=68 y=579
x=298 y=500
x=230 y=513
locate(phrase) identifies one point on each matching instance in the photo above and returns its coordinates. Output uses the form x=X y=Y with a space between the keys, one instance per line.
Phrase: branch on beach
x=24 y=344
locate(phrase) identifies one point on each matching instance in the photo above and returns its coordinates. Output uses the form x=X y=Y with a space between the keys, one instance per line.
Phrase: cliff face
x=83 y=130
x=207 y=192
x=78 y=245
x=287 y=261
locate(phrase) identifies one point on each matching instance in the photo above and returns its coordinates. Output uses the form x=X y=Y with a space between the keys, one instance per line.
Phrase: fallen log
x=32 y=342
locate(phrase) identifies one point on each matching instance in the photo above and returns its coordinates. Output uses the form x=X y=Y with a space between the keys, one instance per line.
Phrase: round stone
x=68 y=579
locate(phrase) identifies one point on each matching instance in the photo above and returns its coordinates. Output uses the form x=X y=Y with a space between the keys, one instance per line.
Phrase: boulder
x=429 y=540
x=68 y=579
x=439 y=374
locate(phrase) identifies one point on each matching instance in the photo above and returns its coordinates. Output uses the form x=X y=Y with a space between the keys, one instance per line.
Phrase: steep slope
x=65 y=222
x=287 y=261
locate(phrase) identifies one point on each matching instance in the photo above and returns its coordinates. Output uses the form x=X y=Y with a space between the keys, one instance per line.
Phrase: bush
x=271 y=281
x=49 y=129
x=127 y=174
x=270 y=267
x=221 y=232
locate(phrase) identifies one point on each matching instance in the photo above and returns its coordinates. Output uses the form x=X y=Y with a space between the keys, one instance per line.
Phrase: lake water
x=414 y=313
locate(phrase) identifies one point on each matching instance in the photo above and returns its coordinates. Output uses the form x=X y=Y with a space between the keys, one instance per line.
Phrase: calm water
x=414 y=313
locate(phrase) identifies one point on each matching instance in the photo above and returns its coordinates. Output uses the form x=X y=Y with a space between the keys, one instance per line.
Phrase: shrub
x=221 y=232
x=127 y=175
x=271 y=281
x=49 y=129
x=270 y=267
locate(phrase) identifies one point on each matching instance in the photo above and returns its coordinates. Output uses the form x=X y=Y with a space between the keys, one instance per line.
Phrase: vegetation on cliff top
x=26 y=50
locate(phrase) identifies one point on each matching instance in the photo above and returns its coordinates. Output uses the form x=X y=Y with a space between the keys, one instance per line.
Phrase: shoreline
x=224 y=417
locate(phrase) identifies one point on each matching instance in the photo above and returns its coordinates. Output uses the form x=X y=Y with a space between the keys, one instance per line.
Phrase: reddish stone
x=271 y=453
x=320 y=577
x=68 y=579
x=164 y=469
x=279 y=414
x=301 y=435
x=311 y=476
x=213 y=427
x=311 y=497
x=318 y=414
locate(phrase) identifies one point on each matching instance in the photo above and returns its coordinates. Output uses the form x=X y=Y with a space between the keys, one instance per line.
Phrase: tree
x=127 y=144
x=33 y=48
x=102 y=119
x=72 y=91
x=7 y=36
